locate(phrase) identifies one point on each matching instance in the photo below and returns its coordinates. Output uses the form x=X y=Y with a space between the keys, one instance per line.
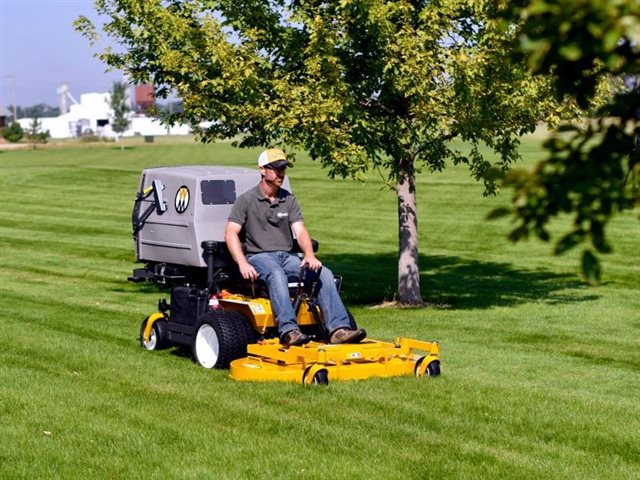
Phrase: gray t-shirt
x=266 y=226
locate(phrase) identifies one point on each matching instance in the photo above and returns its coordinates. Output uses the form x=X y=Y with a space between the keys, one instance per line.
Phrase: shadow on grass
x=182 y=351
x=454 y=282
x=447 y=282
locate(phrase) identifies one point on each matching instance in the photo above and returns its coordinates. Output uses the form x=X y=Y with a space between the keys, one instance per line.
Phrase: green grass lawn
x=541 y=374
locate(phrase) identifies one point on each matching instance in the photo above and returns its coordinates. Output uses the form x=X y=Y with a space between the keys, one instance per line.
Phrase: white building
x=93 y=115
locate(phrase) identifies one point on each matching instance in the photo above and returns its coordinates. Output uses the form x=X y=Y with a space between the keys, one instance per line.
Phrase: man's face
x=274 y=176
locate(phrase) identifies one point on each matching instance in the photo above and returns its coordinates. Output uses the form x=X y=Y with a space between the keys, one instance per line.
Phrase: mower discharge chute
x=178 y=223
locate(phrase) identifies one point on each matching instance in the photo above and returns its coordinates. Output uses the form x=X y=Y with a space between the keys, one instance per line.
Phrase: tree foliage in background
x=13 y=133
x=119 y=103
x=591 y=172
x=40 y=110
x=359 y=84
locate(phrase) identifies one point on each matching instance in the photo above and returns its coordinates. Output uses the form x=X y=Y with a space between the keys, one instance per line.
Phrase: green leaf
x=498 y=213
x=571 y=52
x=519 y=233
x=569 y=241
x=590 y=268
x=542 y=233
x=598 y=238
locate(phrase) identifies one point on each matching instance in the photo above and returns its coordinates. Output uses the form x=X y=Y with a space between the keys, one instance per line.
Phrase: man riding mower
x=269 y=220
x=219 y=310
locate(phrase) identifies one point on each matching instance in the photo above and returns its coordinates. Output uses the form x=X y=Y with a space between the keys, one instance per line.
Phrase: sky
x=40 y=50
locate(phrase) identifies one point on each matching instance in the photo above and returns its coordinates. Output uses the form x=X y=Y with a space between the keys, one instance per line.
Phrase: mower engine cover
x=195 y=204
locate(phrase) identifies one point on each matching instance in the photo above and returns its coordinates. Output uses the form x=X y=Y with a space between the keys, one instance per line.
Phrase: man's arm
x=234 y=245
x=304 y=240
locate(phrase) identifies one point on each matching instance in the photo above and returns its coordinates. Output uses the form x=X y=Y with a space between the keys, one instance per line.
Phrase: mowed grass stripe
x=65 y=228
x=80 y=246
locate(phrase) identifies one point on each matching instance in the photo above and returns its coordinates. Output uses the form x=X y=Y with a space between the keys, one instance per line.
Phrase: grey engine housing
x=189 y=205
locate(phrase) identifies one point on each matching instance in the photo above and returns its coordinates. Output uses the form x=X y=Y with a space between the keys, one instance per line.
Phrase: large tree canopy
x=359 y=84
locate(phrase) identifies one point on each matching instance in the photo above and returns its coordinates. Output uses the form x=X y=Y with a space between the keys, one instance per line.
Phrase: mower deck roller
x=320 y=362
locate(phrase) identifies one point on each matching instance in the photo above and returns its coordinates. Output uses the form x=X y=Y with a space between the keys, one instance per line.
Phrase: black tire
x=220 y=337
x=158 y=339
x=433 y=369
x=320 y=378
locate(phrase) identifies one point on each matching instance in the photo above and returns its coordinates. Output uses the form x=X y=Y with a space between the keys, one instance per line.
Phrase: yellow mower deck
x=315 y=362
x=319 y=362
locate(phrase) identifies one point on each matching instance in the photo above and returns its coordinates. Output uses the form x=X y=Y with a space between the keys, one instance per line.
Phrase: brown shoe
x=294 y=338
x=346 y=335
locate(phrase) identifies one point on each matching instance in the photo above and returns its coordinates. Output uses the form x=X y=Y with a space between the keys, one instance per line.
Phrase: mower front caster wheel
x=320 y=377
x=158 y=336
x=432 y=370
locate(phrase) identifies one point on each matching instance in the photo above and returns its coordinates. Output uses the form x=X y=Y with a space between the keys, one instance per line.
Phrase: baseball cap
x=274 y=157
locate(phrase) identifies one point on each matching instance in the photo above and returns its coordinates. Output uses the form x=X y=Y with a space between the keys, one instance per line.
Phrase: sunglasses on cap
x=277 y=169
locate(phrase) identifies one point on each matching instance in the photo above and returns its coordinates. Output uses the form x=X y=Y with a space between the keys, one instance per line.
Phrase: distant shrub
x=13 y=133
x=93 y=138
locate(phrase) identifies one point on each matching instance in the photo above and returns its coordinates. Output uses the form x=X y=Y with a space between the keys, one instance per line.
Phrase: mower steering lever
x=309 y=298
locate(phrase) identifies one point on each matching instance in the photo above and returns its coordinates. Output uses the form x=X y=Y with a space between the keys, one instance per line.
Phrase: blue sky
x=40 y=49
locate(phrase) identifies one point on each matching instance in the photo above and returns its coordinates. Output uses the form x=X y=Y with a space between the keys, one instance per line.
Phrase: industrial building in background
x=92 y=115
x=145 y=98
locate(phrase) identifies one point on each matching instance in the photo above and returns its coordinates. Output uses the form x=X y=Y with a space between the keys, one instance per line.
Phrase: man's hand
x=248 y=272
x=312 y=262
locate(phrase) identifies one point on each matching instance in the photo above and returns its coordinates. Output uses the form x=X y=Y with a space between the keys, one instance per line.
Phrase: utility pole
x=13 y=96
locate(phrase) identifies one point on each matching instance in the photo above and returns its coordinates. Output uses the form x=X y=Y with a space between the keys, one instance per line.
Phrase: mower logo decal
x=182 y=199
x=257 y=308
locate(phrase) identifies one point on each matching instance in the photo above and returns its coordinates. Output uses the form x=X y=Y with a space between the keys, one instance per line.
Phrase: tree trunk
x=408 y=269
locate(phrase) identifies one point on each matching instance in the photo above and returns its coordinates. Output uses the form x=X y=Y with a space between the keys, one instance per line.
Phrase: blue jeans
x=276 y=269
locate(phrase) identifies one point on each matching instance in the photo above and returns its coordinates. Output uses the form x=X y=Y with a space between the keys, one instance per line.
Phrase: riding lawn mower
x=178 y=220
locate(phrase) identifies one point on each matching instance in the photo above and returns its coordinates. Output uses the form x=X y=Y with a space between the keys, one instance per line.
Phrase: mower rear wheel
x=158 y=337
x=221 y=337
